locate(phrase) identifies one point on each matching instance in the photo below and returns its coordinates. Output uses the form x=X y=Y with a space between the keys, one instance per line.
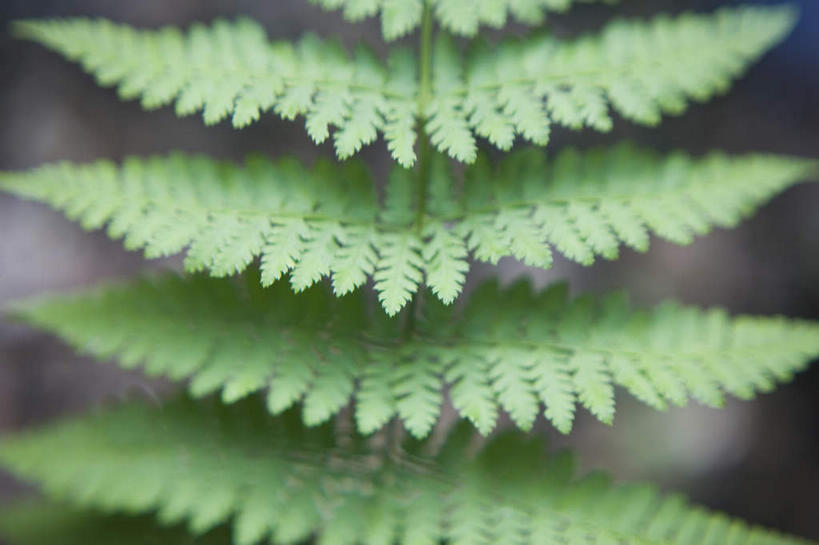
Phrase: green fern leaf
x=375 y=402
x=507 y=350
x=445 y=262
x=231 y=70
x=631 y=66
x=325 y=222
x=447 y=123
x=521 y=87
x=471 y=393
x=553 y=382
x=462 y=17
x=401 y=272
x=418 y=390
x=44 y=523
x=272 y=475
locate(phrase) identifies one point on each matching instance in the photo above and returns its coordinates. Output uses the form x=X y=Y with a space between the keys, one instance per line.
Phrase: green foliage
x=327 y=222
x=399 y=17
x=47 y=524
x=231 y=70
x=275 y=480
x=507 y=349
x=641 y=69
x=232 y=472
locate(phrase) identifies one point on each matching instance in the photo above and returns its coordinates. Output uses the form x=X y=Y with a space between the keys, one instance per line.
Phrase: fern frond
x=326 y=221
x=508 y=349
x=640 y=69
x=231 y=70
x=48 y=524
x=587 y=204
x=205 y=464
x=462 y=17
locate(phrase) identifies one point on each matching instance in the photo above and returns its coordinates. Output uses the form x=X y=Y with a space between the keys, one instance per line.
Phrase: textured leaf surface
x=230 y=70
x=507 y=349
x=464 y=17
x=326 y=221
x=281 y=482
x=641 y=70
x=49 y=524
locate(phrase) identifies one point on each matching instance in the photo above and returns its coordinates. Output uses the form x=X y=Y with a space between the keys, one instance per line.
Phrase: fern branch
x=640 y=69
x=274 y=480
x=507 y=349
x=231 y=70
x=462 y=17
x=326 y=221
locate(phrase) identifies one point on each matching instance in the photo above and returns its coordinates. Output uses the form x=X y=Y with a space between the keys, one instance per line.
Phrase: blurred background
x=758 y=460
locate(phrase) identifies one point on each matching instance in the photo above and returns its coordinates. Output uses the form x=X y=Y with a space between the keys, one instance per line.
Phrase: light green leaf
x=325 y=222
x=322 y=488
x=509 y=349
x=523 y=87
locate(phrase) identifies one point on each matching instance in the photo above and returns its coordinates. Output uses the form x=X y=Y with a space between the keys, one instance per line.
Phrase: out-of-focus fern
x=327 y=222
x=50 y=524
x=508 y=349
x=399 y=17
x=206 y=464
x=641 y=69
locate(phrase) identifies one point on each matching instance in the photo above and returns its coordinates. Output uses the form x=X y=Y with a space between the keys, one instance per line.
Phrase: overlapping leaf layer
x=207 y=464
x=508 y=349
x=640 y=69
x=328 y=222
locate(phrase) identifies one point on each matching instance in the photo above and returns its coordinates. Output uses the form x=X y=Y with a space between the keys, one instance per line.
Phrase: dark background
x=758 y=460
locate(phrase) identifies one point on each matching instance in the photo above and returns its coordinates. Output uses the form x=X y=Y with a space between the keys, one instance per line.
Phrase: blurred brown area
x=758 y=460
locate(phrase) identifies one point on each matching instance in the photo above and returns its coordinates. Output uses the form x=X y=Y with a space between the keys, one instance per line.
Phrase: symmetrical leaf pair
x=206 y=464
x=508 y=349
x=327 y=221
x=519 y=88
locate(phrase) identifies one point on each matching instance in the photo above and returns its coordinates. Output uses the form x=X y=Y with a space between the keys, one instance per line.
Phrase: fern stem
x=423 y=146
x=423 y=101
x=426 y=57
